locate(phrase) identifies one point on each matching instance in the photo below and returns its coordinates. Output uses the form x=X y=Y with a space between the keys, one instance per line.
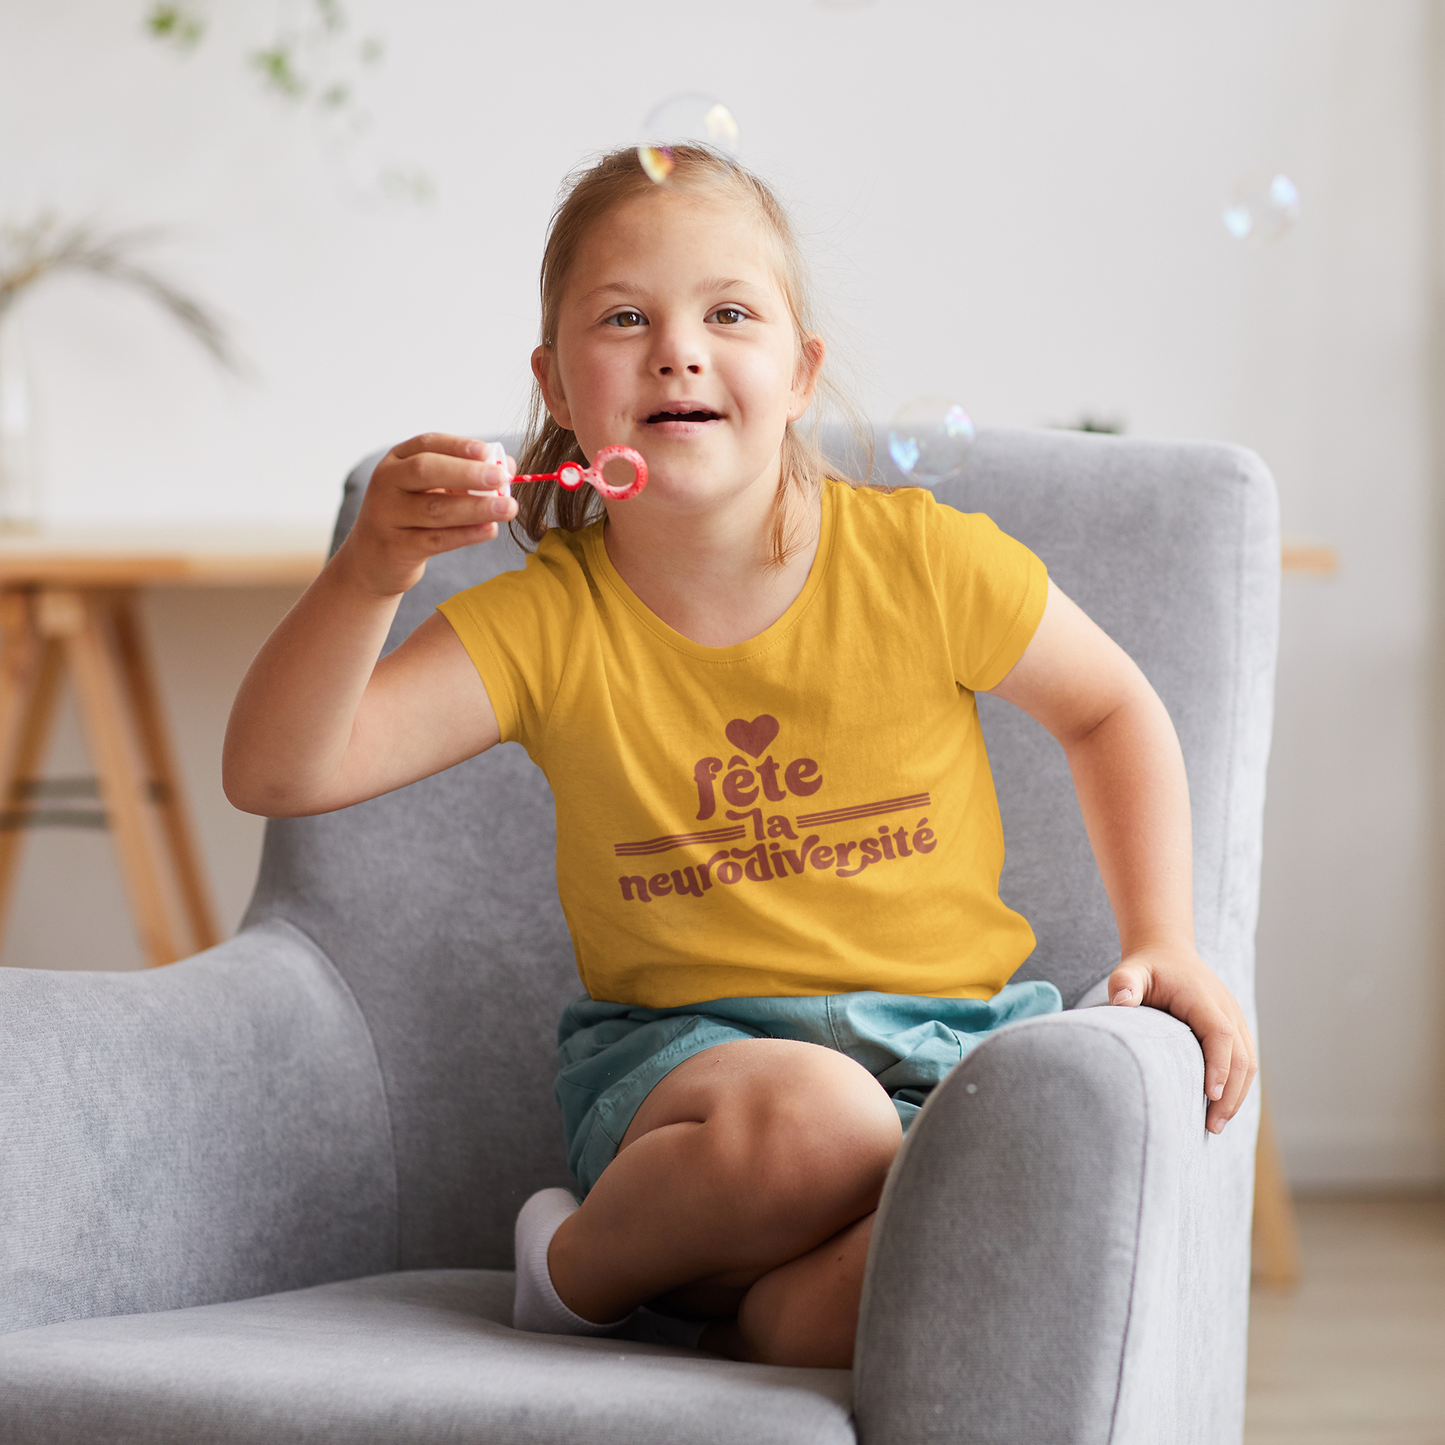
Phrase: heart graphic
x=752 y=737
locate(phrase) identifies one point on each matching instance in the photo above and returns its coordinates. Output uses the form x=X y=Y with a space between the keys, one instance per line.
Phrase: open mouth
x=687 y=413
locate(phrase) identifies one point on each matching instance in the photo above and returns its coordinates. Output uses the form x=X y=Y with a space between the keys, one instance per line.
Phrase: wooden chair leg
x=1276 y=1239
x=78 y=623
x=140 y=679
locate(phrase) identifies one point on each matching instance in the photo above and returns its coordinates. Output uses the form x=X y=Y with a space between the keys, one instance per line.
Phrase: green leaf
x=176 y=24
x=278 y=72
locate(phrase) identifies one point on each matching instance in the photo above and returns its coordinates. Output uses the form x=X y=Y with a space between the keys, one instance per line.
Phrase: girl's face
x=674 y=337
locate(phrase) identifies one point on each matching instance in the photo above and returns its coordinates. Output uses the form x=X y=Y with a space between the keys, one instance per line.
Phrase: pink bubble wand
x=572 y=474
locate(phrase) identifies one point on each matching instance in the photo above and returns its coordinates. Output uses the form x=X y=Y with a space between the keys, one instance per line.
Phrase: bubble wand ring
x=572 y=474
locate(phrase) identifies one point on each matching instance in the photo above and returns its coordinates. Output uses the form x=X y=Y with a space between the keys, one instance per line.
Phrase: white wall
x=1013 y=202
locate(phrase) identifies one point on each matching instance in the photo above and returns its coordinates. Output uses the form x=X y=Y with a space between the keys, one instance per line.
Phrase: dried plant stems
x=30 y=253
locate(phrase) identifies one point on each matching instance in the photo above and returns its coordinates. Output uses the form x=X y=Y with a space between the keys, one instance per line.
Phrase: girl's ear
x=805 y=378
x=551 y=387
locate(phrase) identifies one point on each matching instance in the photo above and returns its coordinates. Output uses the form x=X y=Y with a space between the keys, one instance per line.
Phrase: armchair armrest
x=1062 y=1251
x=212 y=1130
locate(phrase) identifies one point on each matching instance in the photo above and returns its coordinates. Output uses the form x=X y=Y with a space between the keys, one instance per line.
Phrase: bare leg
x=804 y=1312
x=748 y=1156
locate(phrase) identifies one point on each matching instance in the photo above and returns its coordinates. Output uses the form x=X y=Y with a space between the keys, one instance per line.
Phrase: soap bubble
x=929 y=439
x=1261 y=208
x=682 y=120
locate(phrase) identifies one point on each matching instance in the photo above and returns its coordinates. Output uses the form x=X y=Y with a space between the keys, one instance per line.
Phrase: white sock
x=537 y=1307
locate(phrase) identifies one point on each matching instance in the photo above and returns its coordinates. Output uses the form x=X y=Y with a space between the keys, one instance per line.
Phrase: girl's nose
x=677 y=353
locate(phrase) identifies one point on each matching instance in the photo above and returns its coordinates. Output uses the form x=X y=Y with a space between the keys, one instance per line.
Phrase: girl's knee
x=815 y=1128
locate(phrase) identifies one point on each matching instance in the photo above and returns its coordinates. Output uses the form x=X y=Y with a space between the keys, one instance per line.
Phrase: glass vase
x=19 y=483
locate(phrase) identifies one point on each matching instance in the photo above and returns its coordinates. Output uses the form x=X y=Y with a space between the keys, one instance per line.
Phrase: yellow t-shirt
x=807 y=812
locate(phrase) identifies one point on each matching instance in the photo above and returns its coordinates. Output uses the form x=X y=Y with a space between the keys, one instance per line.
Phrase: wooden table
x=68 y=602
x=1316 y=557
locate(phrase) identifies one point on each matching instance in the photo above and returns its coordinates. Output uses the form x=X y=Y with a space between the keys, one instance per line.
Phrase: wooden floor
x=1356 y=1355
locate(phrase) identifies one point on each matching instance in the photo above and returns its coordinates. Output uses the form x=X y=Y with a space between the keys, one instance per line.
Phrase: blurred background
x=1017 y=205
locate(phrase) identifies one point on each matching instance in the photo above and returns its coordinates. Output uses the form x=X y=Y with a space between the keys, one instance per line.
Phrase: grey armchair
x=266 y=1194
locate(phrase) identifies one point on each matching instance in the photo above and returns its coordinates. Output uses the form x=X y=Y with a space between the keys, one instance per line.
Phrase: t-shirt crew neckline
x=603 y=569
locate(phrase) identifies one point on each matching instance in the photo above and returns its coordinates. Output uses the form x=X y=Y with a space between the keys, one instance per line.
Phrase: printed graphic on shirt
x=770 y=833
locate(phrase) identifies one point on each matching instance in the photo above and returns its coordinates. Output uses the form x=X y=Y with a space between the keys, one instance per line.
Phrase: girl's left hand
x=1178 y=981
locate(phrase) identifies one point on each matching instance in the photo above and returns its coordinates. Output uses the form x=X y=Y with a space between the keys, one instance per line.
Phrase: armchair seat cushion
x=418 y=1356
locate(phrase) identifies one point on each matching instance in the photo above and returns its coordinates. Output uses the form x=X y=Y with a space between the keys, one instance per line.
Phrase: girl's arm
x=1129 y=774
x=318 y=722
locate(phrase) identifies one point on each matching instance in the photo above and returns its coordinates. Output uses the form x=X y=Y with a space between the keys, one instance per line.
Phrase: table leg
x=29 y=690
x=139 y=677
x=1276 y=1241
x=78 y=622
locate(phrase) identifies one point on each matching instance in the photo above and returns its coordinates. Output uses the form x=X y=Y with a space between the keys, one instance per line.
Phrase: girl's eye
x=729 y=315
x=627 y=318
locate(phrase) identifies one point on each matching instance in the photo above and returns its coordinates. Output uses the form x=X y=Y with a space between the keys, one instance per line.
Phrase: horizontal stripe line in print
x=676 y=840
x=864 y=810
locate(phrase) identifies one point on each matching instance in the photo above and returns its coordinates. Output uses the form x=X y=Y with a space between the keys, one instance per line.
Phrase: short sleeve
x=992 y=590
x=515 y=628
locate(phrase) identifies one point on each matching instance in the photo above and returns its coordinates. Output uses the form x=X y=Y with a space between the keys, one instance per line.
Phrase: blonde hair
x=589 y=195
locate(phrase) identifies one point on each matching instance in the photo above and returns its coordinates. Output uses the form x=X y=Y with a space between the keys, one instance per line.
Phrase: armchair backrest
x=438 y=905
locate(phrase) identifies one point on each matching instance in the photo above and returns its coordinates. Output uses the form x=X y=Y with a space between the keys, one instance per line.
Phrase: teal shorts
x=612 y=1055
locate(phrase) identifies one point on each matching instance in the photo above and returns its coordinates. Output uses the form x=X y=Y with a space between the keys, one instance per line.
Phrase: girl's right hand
x=319 y=723
x=431 y=494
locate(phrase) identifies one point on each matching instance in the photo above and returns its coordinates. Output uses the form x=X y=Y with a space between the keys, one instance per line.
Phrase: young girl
x=751 y=688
